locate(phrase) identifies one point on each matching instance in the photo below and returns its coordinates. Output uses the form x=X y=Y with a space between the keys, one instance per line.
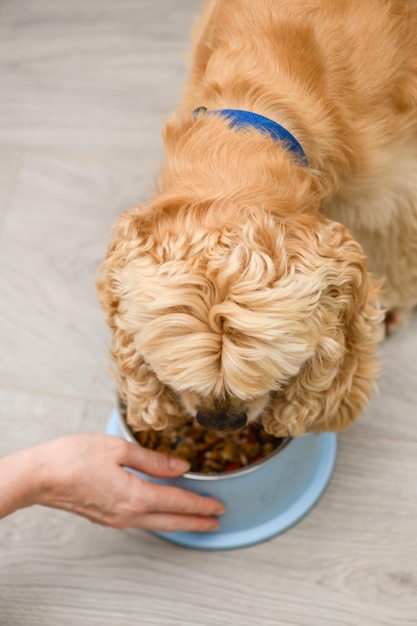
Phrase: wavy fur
x=243 y=284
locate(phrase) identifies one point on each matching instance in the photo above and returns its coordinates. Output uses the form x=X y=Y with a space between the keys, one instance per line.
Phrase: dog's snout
x=221 y=421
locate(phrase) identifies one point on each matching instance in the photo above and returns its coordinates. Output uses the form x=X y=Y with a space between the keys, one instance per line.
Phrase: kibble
x=211 y=452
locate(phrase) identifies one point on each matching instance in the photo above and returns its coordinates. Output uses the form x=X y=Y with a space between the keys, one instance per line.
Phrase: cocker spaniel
x=253 y=284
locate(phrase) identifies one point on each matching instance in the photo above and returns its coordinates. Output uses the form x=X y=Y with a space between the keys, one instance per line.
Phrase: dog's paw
x=394 y=319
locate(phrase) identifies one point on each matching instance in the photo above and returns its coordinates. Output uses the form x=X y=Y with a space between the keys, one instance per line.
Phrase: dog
x=254 y=284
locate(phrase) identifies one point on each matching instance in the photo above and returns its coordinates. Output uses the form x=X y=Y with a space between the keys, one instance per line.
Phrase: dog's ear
x=335 y=384
x=151 y=404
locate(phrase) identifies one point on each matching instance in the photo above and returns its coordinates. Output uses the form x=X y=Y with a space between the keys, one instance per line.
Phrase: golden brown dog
x=241 y=291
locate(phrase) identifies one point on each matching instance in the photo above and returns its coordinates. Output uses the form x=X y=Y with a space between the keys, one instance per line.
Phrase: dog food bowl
x=262 y=500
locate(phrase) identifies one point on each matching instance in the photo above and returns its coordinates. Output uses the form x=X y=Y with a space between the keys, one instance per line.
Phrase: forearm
x=20 y=480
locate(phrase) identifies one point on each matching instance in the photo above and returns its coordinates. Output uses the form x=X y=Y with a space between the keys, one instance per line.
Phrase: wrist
x=20 y=480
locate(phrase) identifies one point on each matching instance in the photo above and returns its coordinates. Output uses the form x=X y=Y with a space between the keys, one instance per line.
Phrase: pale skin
x=84 y=474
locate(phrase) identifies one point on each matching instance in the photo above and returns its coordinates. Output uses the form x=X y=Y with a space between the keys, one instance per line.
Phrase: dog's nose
x=226 y=422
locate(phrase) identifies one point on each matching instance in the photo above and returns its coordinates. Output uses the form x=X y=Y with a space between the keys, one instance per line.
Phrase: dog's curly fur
x=243 y=285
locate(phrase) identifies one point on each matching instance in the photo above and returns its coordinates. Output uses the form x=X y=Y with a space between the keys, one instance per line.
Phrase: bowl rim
x=129 y=436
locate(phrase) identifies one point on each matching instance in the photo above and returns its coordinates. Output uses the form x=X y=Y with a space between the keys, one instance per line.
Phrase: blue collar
x=242 y=119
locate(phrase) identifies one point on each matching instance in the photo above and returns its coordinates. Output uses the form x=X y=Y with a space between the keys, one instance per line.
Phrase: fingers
x=160 y=507
x=159 y=498
x=162 y=522
x=153 y=463
x=167 y=523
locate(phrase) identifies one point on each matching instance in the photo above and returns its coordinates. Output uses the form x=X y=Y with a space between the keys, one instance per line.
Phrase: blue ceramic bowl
x=263 y=499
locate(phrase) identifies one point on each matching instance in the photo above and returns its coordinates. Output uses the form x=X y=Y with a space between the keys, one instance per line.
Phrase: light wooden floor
x=85 y=86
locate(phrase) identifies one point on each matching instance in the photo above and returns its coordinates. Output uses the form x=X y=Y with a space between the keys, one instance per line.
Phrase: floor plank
x=102 y=74
x=85 y=89
x=392 y=412
x=55 y=234
x=9 y=165
x=351 y=561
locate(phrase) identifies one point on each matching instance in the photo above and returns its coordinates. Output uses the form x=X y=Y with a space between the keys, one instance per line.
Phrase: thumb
x=153 y=463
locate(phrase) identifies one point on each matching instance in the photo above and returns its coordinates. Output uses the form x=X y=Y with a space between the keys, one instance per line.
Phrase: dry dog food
x=211 y=452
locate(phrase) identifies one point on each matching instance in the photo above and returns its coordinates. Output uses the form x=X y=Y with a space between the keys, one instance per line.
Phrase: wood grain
x=85 y=89
x=9 y=165
x=351 y=561
x=95 y=74
x=51 y=328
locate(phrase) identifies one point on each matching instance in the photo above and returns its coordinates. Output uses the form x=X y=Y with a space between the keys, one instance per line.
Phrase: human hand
x=84 y=474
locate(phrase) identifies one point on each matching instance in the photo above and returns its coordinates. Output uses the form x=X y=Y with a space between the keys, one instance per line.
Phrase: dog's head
x=229 y=314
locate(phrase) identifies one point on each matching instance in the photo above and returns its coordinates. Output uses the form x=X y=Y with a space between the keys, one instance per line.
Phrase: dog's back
x=342 y=77
x=351 y=63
